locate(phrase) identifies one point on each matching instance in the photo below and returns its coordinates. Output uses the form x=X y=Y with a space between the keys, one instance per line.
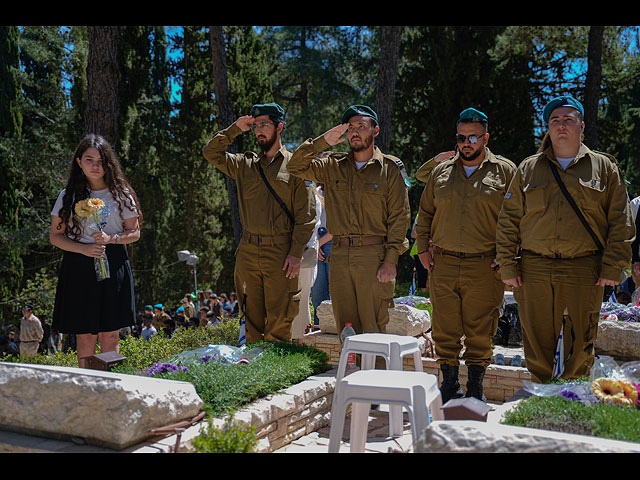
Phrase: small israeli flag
x=412 y=288
x=612 y=298
x=242 y=339
x=558 y=359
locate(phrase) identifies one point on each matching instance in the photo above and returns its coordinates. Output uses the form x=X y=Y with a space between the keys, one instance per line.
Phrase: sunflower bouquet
x=95 y=209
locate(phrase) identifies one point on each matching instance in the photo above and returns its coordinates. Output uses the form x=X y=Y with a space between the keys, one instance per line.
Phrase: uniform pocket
x=534 y=197
x=591 y=193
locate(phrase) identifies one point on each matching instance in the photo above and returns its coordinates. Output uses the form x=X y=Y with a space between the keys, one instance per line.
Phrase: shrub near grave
x=606 y=404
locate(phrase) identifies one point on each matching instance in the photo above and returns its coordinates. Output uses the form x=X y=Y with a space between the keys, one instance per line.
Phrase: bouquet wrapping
x=95 y=212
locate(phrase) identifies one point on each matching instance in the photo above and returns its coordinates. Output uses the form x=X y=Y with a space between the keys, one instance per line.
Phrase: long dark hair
x=78 y=187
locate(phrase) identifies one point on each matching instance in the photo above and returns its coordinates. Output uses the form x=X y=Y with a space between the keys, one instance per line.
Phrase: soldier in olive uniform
x=275 y=232
x=367 y=207
x=458 y=212
x=546 y=253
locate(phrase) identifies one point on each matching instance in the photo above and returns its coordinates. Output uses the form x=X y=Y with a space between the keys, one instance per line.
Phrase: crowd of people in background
x=32 y=336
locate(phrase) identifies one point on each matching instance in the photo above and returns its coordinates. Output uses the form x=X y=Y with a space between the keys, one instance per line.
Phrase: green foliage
x=39 y=292
x=141 y=354
x=58 y=359
x=231 y=438
x=225 y=388
x=569 y=416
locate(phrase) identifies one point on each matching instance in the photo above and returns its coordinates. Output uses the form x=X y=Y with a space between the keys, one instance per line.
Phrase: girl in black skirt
x=91 y=308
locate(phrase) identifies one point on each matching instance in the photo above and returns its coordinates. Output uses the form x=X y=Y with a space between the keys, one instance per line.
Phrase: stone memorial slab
x=102 y=408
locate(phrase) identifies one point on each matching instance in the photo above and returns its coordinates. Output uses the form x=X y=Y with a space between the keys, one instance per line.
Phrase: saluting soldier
x=458 y=212
x=367 y=207
x=545 y=251
x=275 y=230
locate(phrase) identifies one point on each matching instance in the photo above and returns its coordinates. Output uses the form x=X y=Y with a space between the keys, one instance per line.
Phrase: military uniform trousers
x=466 y=294
x=357 y=297
x=548 y=287
x=268 y=299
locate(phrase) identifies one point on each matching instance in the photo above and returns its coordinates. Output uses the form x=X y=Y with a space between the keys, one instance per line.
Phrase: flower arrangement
x=94 y=208
x=618 y=392
x=165 y=368
x=618 y=312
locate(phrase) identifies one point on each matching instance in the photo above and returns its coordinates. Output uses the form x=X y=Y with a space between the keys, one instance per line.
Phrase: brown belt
x=265 y=240
x=441 y=251
x=361 y=241
x=559 y=256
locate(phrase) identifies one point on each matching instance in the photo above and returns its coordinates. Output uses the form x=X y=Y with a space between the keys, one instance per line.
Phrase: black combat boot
x=474 y=382
x=450 y=387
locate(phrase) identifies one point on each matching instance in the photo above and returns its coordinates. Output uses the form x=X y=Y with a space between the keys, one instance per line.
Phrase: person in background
x=148 y=330
x=31 y=332
x=308 y=271
x=320 y=289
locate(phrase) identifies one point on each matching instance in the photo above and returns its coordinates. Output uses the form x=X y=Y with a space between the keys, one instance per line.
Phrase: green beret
x=148 y=307
x=354 y=110
x=563 y=101
x=272 y=109
x=158 y=305
x=472 y=115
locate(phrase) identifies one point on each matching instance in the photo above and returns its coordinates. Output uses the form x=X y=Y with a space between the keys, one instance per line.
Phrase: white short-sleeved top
x=110 y=218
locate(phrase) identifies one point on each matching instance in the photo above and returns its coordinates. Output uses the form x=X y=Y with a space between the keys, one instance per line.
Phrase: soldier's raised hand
x=244 y=123
x=336 y=134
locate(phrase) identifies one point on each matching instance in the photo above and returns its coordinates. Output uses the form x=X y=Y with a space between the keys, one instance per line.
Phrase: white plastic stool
x=391 y=347
x=416 y=391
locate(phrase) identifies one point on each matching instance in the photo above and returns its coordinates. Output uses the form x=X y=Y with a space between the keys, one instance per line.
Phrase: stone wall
x=284 y=417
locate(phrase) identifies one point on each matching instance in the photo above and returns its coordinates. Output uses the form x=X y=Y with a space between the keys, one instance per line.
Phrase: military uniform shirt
x=260 y=212
x=537 y=217
x=459 y=213
x=369 y=201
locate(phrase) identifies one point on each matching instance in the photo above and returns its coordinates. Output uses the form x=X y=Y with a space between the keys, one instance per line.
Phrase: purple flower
x=166 y=368
x=569 y=395
x=206 y=358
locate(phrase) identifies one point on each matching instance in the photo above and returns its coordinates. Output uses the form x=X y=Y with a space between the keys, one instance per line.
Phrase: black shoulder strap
x=275 y=195
x=562 y=186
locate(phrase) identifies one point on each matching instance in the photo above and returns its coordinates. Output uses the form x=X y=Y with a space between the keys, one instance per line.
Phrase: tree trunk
x=225 y=115
x=390 y=37
x=592 y=87
x=101 y=113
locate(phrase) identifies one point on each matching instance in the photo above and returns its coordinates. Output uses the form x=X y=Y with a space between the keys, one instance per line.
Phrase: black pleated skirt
x=85 y=305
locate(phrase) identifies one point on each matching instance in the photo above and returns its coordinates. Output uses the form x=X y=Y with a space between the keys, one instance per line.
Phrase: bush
x=232 y=438
x=569 y=416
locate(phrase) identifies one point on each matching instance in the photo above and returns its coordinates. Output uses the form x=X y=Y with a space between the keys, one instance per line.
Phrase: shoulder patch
x=400 y=166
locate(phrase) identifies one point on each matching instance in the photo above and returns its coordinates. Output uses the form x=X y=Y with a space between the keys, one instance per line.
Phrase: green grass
x=569 y=416
x=225 y=388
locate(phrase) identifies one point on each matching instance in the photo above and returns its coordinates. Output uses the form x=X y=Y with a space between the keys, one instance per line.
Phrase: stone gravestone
x=103 y=408
x=403 y=320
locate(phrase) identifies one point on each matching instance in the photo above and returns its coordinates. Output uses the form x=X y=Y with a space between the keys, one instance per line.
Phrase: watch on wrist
x=117 y=238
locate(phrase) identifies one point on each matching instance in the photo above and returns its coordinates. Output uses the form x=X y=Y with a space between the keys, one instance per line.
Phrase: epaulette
x=400 y=166
x=608 y=155
x=506 y=160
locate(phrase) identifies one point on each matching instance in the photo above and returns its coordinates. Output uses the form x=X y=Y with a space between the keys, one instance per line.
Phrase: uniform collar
x=282 y=152
x=583 y=151
x=377 y=156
